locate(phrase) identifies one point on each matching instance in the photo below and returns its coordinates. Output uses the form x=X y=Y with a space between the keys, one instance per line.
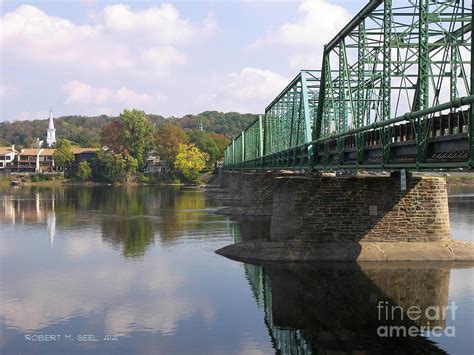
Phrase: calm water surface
x=133 y=271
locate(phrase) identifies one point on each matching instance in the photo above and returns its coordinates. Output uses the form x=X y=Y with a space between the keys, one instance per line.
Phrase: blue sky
x=170 y=58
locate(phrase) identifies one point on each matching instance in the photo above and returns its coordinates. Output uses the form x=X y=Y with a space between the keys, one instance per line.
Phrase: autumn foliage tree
x=130 y=136
x=190 y=161
x=221 y=141
x=168 y=139
x=206 y=144
x=112 y=137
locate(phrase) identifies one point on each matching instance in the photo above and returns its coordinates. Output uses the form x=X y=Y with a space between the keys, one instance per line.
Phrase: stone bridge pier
x=226 y=188
x=324 y=218
x=335 y=209
x=252 y=193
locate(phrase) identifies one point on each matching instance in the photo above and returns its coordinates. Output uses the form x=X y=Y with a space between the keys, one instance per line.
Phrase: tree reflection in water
x=129 y=217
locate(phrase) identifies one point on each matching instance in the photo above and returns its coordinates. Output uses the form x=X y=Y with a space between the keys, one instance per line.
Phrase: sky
x=93 y=57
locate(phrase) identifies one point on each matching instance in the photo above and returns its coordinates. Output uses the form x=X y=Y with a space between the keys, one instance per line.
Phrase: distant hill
x=85 y=130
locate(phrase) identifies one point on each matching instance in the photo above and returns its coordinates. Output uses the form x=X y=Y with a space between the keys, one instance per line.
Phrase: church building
x=51 y=131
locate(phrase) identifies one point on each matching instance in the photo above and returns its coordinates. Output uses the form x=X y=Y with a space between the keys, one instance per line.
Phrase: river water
x=132 y=270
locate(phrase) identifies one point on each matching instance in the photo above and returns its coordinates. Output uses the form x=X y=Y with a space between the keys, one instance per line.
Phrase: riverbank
x=59 y=180
x=460 y=179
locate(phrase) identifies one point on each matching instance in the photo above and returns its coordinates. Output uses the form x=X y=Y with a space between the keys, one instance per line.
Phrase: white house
x=155 y=165
x=7 y=155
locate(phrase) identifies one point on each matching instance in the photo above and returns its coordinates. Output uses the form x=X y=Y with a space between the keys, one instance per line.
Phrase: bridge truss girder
x=395 y=56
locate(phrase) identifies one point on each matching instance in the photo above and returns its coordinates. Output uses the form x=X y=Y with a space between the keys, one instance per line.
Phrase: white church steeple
x=51 y=131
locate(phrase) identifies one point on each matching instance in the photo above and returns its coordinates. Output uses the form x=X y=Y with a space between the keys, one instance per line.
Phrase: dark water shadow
x=250 y=228
x=347 y=307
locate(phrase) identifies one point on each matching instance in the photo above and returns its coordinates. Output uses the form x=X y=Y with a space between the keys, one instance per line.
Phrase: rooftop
x=46 y=151
x=35 y=151
x=6 y=150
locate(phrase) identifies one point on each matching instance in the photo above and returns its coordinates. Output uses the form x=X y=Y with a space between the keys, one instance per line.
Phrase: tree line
x=130 y=139
x=85 y=131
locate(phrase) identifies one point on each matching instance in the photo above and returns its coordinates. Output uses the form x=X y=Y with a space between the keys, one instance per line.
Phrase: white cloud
x=248 y=90
x=29 y=23
x=80 y=93
x=318 y=22
x=31 y=32
x=141 y=44
x=209 y=25
x=155 y=59
x=162 y=24
x=307 y=59
x=254 y=83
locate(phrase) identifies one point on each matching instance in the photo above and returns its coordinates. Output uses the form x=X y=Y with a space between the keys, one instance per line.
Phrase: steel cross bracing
x=395 y=91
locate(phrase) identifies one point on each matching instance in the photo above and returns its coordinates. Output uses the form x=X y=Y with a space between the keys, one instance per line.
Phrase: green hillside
x=85 y=130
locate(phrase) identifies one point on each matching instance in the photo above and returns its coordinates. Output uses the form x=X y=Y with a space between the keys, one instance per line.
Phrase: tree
x=203 y=141
x=112 y=167
x=131 y=136
x=63 y=155
x=86 y=130
x=84 y=171
x=190 y=161
x=137 y=134
x=168 y=138
x=83 y=139
x=112 y=137
x=221 y=141
x=30 y=142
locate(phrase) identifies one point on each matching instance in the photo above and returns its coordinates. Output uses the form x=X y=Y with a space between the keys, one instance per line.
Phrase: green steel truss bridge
x=395 y=91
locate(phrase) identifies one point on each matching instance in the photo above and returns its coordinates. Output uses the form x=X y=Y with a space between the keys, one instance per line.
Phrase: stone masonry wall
x=231 y=181
x=369 y=209
x=257 y=190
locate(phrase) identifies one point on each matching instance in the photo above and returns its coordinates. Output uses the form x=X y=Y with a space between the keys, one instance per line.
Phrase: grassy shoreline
x=460 y=180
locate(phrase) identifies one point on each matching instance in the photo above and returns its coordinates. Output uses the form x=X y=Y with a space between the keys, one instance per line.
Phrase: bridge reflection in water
x=346 y=307
x=311 y=308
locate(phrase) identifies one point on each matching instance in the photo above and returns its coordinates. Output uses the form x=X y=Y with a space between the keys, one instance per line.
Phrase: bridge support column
x=372 y=209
